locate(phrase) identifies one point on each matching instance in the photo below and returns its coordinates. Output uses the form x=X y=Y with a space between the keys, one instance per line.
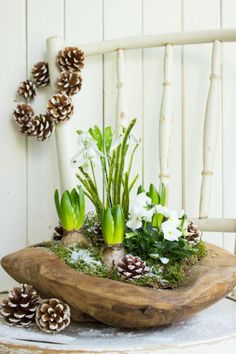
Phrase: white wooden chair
x=211 y=123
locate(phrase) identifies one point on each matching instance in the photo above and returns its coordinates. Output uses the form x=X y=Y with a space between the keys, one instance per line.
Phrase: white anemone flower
x=159 y=209
x=181 y=213
x=134 y=223
x=142 y=200
x=164 y=260
x=171 y=233
x=174 y=218
x=140 y=212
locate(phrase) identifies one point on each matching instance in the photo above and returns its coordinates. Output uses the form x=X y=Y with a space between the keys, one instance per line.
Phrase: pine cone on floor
x=132 y=267
x=60 y=107
x=52 y=316
x=69 y=83
x=27 y=89
x=22 y=114
x=41 y=127
x=193 y=232
x=41 y=74
x=70 y=58
x=58 y=233
x=19 y=308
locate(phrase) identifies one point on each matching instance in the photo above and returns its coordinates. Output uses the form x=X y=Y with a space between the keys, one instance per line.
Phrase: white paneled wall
x=29 y=172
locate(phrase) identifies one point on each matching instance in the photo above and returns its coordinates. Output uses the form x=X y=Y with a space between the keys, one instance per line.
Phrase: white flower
x=134 y=223
x=180 y=213
x=159 y=209
x=142 y=200
x=164 y=260
x=174 y=218
x=89 y=152
x=171 y=233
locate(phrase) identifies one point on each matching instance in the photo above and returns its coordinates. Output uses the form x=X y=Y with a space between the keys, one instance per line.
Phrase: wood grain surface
x=121 y=304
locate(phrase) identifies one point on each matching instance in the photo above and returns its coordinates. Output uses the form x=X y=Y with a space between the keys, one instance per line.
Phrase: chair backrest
x=212 y=111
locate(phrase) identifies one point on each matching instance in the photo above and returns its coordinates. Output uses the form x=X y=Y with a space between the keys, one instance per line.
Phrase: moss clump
x=90 y=261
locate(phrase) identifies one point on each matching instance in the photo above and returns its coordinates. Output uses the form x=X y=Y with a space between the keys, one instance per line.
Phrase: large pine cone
x=52 y=316
x=132 y=267
x=69 y=83
x=22 y=114
x=193 y=232
x=60 y=107
x=40 y=126
x=27 y=89
x=41 y=74
x=70 y=58
x=19 y=308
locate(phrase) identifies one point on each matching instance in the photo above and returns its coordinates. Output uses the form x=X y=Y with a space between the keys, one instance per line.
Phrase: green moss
x=171 y=275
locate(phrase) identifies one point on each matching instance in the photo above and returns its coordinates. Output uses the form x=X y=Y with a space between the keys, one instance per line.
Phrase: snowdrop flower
x=89 y=153
x=164 y=260
x=171 y=233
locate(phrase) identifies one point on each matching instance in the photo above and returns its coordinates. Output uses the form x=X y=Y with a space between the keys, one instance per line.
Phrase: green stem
x=116 y=175
x=111 y=168
x=133 y=182
x=132 y=157
x=124 y=148
x=94 y=177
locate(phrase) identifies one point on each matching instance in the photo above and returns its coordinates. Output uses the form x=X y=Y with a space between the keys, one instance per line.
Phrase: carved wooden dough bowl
x=121 y=304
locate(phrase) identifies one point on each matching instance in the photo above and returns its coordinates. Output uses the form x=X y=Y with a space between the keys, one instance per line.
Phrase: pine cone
x=27 y=89
x=69 y=83
x=70 y=58
x=40 y=126
x=52 y=316
x=58 y=233
x=132 y=267
x=41 y=74
x=20 y=308
x=193 y=232
x=22 y=114
x=60 y=107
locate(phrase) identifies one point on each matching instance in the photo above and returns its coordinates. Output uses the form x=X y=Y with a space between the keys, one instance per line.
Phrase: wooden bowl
x=120 y=304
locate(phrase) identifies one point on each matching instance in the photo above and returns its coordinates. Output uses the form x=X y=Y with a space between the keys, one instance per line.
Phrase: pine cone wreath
x=132 y=267
x=58 y=233
x=40 y=126
x=27 y=89
x=70 y=58
x=22 y=114
x=19 y=308
x=193 y=232
x=60 y=107
x=52 y=316
x=41 y=74
x=69 y=83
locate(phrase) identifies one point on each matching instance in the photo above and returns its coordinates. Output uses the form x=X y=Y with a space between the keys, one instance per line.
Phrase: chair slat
x=211 y=127
x=166 y=116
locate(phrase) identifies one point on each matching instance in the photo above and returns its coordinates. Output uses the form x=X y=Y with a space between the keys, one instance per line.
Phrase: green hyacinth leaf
x=163 y=194
x=58 y=205
x=119 y=225
x=107 y=138
x=153 y=194
x=107 y=226
x=68 y=211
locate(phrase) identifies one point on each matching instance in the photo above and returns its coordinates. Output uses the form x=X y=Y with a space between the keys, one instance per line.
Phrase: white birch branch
x=211 y=127
x=165 y=123
x=62 y=131
x=121 y=118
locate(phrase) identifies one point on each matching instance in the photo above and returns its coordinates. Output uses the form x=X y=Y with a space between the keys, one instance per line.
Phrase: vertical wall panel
x=229 y=121
x=124 y=19
x=83 y=24
x=157 y=18
x=13 y=145
x=199 y=15
x=43 y=22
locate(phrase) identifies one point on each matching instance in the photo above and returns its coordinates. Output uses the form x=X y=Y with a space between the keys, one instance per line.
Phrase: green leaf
x=107 y=226
x=107 y=138
x=153 y=194
x=58 y=205
x=163 y=195
x=95 y=132
x=68 y=211
x=140 y=189
x=81 y=207
x=119 y=225
x=79 y=132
